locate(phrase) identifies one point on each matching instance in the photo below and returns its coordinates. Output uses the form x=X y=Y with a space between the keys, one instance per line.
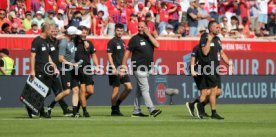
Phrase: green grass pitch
x=240 y=121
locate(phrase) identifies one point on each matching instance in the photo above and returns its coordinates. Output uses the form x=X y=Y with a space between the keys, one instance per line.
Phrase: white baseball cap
x=60 y=11
x=201 y=1
x=72 y=30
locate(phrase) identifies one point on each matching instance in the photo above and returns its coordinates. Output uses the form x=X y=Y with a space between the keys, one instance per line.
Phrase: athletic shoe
x=216 y=116
x=29 y=112
x=116 y=113
x=45 y=115
x=86 y=114
x=198 y=108
x=205 y=115
x=76 y=115
x=49 y=111
x=156 y=112
x=139 y=115
x=190 y=108
x=67 y=113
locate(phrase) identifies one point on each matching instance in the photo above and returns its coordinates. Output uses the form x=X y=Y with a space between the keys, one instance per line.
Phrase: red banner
x=249 y=57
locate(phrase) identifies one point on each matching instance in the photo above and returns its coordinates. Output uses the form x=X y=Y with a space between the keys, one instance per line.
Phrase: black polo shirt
x=41 y=48
x=214 y=53
x=142 y=51
x=54 y=50
x=82 y=52
x=116 y=46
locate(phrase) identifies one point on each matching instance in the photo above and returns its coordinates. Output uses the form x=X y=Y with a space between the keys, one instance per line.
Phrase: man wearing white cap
x=59 y=19
x=39 y=18
x=67 y=51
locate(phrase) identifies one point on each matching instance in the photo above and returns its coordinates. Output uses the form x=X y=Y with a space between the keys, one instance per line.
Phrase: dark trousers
x=57 y=88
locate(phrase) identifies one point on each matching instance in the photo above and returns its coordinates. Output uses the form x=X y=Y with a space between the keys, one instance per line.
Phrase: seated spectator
x=75 y=19
x=14 y=29
x=180 y=32
x=19 y=9
x=59 y=19
x=3 y=18
x=234 y=33
x=223 y=33
x=27 y=22
x=224 y=23
x=13 y=19
x=39 y=19
x=133 y=24
x=168 y=32
x=234 y=24
x=271 y=25
x=34 y=30
x=5 y=28
x=50 y=18
x=151 y=25
x=201 y=31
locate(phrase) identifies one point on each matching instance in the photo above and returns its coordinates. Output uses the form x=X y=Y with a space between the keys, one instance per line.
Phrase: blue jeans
x=193 y=31
x=162 y=26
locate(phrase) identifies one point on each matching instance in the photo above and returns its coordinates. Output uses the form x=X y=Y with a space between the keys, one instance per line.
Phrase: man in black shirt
x=39 y=59
x=56 y=83
x=115 y=54
x=69 y=78
x=142 y=48
x=85 y=51
x=209 y=55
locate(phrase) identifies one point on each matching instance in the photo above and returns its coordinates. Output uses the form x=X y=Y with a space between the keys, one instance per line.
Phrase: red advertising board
x=250 y=57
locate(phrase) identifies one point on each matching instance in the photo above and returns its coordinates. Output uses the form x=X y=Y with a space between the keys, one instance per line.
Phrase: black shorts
x=208 y=81
x=198 y=80
x=116 y=80
x=56 y=85
x=69 y=80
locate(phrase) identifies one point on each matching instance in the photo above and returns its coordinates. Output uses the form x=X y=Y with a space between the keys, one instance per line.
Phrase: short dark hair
x=119 y=25
x=234 y=18
x=5 y=25
x=83 y=28
x=5 y=51
x=211 y=23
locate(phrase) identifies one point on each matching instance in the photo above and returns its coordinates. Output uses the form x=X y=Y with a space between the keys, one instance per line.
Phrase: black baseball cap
x=5 y=51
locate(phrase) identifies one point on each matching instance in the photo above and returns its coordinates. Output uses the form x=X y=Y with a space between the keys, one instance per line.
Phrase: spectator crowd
x=164 y=18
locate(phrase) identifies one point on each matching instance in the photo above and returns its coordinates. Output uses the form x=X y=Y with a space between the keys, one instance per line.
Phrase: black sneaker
x=45 y=115
x=49 y=111
x=116 y=113
x=198 y=108
x=86 y=114
x=156 y=112
x=216 y=116
x=29 y=112
x=190 y=108
x=139 y=115
x=68 y=113
x=77 y=115
x=204 y=114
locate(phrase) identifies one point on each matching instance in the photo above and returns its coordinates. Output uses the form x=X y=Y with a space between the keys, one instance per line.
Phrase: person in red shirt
x=173 y=15
x=129 y=10
x=19 y=9
x=5 y=28
x=151 y=25
x=34 y=30
x=164 y=16
x=13 y=19
x=50 y=5
x=133 y=25
x=98 y=24
x=3 y=18
x=141 y=13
